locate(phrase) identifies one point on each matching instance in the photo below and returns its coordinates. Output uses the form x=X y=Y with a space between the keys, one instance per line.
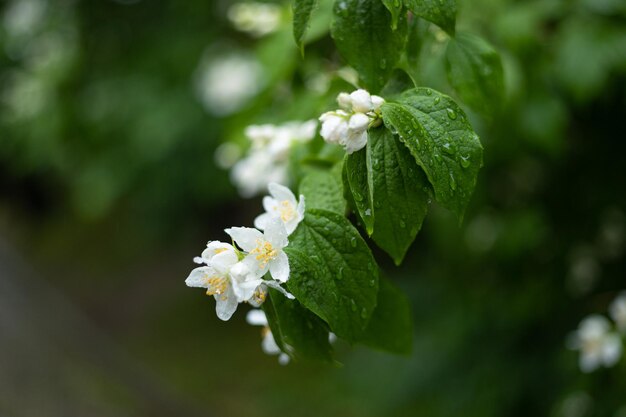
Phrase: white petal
x=214 y=247
x=198 y=277
x=361 y=101
x=277 y=286
x=257 y=269
x=611 y=350
x=269 y=345
x=356 y=142
x=269 y=204
x=276 y=234
x=279 y=267
x=245 y=237
x=301 y=206
x=377 y=101
x=262 y=220
x=344 y=100
x=256 y=317
x=589 y=362
x=226 y=304
x=358 y=122
x=281 y=193
x=223 y=261
x=245 y=291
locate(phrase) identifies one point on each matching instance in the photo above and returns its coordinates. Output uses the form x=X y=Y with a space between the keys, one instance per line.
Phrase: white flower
x=227 y=84
x=257 y=19
x=348 y=126
x=229 y=280
x=268 y=345
x=282 y=205
x=597 y=344
x=252 y=174
x=215 y=277
x=265 y=250
x=268 y=157
x=334 y=126
x=617 y=309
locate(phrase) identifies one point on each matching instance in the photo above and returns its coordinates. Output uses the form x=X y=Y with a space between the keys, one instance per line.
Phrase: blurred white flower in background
x=617 y=310
x=226 y=84
x=597 y=343
x=257 y=19
x=268 y=344
x=23 y=18
x=268 y=157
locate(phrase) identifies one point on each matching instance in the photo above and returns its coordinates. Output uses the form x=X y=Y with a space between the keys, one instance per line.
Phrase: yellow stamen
x=215 y=285
x=260 y=296
x=264 y=252
x=286 y=210
x=220 y=250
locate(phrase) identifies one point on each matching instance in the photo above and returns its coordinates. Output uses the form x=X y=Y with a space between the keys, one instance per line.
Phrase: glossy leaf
x=391 y=325
x=364 y=37
x=401 y=193
x=357 y=183
x=333 y=272
x=474 y=70
x=298 y=332
x=440 y=137
x=440 y=12
x=323 y=189
x=302 y=11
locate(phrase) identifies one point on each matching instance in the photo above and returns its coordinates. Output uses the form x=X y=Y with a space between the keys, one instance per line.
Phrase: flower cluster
x=348 y=126
x=267 y=160
x=233 y=275
x=599 y=344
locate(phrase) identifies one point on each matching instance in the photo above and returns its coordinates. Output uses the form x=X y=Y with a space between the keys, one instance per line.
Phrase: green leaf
x=395 y=8
x=440 y=12
x=441 y=139
x=333 y=272
x=391 y=325
x=399 y=82
x=322 y=189
x=401 y=193
x=475 y=71
x=297 y=332
x=302 y=11
x=418 y=31
x=358 y=184
x=363 y=35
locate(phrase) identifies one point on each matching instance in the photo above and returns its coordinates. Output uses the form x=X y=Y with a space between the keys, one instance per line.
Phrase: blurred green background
x=109 y=121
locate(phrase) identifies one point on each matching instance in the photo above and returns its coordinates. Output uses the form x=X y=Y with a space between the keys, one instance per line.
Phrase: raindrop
x=364 y=313
x=451 y=113
x=353 y=242
x=353 y=305
x=402 y=224
x=340 y=274
x=437 y=100
x=452 y=182
x=465 y=162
